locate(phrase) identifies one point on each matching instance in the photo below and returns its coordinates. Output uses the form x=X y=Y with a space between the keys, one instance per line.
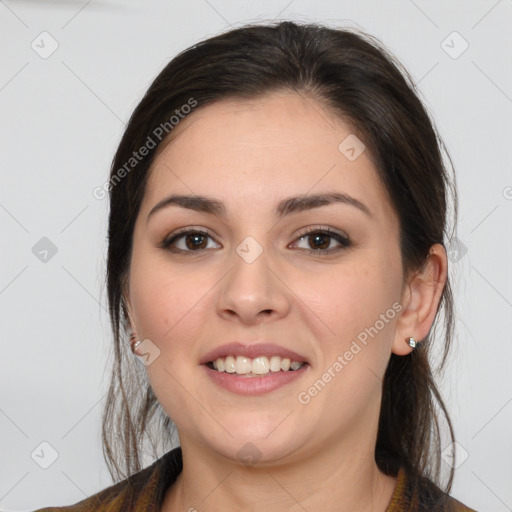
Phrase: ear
x=127 y=308
x=420 y=300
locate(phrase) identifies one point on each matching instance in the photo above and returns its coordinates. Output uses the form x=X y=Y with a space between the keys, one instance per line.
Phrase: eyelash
x=342 y=239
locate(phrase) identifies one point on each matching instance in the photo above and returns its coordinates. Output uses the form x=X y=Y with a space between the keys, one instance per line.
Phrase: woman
x=277 y=263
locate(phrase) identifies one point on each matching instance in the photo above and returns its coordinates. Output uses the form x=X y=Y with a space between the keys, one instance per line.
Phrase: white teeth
x=261 y=365
x=275 y=364
x=229 y=364
x=243 y=365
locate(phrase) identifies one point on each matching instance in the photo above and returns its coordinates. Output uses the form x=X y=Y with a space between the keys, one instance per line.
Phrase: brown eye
x=319 y=241
x=187 y=241
x=195 y=241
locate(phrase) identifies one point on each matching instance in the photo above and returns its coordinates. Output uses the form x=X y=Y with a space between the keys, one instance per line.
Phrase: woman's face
x=256 y=277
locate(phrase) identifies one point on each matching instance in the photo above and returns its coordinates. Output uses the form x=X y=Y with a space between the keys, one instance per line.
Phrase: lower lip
x=254 y=385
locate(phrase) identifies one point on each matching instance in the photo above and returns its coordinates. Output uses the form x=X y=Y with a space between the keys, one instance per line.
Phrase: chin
x=251 y=444
x=256 y=453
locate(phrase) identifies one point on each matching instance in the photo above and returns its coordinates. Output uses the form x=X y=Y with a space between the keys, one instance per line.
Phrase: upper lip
x=251 y=350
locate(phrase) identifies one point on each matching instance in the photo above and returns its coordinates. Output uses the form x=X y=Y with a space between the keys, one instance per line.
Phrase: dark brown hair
x=354 y=77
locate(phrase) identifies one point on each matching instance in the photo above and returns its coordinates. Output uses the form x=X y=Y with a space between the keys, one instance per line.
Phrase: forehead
x=272 y=119
x=261 y=150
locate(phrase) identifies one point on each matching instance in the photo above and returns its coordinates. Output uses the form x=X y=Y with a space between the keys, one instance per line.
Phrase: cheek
x=171 y=311
x=352 y=297
x=166 y=301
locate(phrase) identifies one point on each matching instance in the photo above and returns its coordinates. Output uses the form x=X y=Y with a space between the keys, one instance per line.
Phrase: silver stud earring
x=412 y=342
x=134 y=343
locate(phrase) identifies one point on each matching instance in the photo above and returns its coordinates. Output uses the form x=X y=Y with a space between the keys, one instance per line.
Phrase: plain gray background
x=62 y=116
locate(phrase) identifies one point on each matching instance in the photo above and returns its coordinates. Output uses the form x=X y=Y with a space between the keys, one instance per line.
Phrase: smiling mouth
x=260 y=366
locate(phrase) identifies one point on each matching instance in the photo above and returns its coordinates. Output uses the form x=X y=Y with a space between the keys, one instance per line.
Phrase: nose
x=252 y=291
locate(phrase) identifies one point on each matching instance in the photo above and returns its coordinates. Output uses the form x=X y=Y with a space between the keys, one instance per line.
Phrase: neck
x=342 y=477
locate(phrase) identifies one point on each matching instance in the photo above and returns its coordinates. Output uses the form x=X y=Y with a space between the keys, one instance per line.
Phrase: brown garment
x=145 y=491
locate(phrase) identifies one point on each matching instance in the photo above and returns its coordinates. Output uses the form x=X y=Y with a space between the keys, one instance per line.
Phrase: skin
x=251 y=155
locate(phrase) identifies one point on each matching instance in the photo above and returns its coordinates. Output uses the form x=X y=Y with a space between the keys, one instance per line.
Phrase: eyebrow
x=285 y=207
